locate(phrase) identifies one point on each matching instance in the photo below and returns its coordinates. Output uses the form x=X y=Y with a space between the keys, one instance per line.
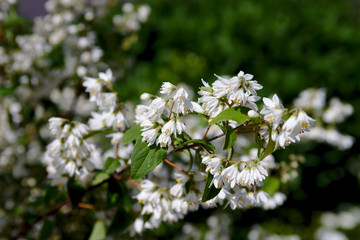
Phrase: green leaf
x=230 y=153
x=144 y=158
x=111 y=165
x=50 y=193
x=238 y=114
x=94 y=132
x=6 y=91
x=99 y=231
x=76 y=191
x=210 y=191
x=100 y=177
x=120 y=222
x=271 y=185
x=114 y=194
x=270 y=148
x=46 y=230
x=131 y=134
x=203 y=143
x=230 y=138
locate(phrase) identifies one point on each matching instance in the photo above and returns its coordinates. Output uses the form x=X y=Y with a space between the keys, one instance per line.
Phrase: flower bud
x=253 y=114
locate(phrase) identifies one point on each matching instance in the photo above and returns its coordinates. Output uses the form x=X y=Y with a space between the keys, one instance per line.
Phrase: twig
x=171 y=108
x=126 y=180
x=175 y=166
x=207 y=130
x=86 y=206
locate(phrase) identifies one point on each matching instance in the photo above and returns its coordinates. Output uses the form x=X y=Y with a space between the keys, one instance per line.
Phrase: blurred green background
x=289 y=46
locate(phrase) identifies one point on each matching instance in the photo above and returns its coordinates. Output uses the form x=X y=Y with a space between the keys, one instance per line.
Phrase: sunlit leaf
x=238 y=114
x=144 y=158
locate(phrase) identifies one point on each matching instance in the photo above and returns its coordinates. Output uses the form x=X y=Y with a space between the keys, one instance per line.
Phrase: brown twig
x=175 y=166
x=132 y=182
x=207 y=130
x=86 y=206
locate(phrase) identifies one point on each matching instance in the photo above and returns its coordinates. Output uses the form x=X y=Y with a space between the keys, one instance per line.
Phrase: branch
x=175 y=166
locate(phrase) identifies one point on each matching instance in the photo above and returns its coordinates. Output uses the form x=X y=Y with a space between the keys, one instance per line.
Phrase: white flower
x=272 y=110
x=180 y=205
x=219 y=181
x=70 y=168
x=305 y=121
x=115 y=138
x=55 y=147
x=177 y=190
x=80 y=130
x=312 y=99
x=164 y=140
x=180 y=126
x=237 y=98
x=116 y=120
x=55 y=125
x=181 y=102
x=213 y=164
x=232 y=175
x=197 y=108
x=72 y=141
x=139 y=225
x=223 y=86
x=273 y=103
x=250 y=101
x=250 y=86
x=181 y=178
x=106 y=101
x=253 y=173
x=337 y=111
x=167 y=88
x=97 y=120
x=147 y=124
x=169 y=127
x=295 y=125
x=155 y=109
x=93 y=86
x=210 y=102
x=107 y=77
x=193 y=200
x=150 y=135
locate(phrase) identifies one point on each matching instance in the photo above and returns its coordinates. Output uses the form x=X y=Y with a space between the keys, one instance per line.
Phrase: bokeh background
x=289 y=46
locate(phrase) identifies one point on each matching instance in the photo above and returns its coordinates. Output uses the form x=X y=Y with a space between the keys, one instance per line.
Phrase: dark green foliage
x=144 y=158
x=131 y=134
x=111 y=165
x=210 y=191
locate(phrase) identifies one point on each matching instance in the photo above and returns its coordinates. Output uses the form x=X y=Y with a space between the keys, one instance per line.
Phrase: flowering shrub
x=123 y=169
x=217 y=174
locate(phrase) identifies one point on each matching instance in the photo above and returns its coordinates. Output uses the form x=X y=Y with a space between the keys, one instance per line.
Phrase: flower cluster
x=175 y=104
x=111 y=115
x=284 y=132
x=236 y=91
x=164 y=204
x=70 y=155
x=314 y=101
x=131 y=18
x=237 y=178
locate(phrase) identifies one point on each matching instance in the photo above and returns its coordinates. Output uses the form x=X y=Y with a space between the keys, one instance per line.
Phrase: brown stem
x=86 y=206
x=207 y=130
x=175 y=166
x=171 y=108
x=126 y=180
x=253 y=131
